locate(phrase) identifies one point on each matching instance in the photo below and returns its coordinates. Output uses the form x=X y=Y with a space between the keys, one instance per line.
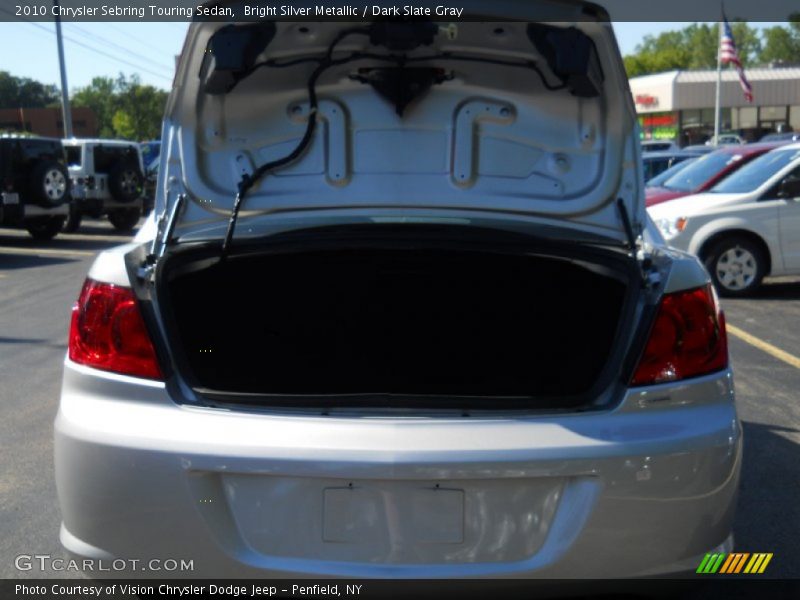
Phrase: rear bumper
x=99 y=206
x=15 y=211
x=641 y=490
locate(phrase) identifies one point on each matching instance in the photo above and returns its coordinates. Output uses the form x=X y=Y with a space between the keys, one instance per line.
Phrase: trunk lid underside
x=477 y=116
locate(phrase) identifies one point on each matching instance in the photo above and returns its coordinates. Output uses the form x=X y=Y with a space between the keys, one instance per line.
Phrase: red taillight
x=108 y=332
x=687 y=339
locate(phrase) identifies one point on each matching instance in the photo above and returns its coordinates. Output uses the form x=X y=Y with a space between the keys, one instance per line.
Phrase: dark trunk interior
x=395 y=322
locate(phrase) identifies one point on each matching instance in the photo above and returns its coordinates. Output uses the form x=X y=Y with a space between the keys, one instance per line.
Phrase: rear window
x=73 y=156
x=34 y=149
x=660 y=179
x=25 y=151
x=106 y=157
x=757 y=172
x=700 y=171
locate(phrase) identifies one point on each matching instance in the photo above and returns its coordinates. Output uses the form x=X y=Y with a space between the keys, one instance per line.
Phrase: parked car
x=786 y=136
x=413 y=339
x=107 y=179
x=725 y=139
x=706 y=172
x=664 y=175
x=150 y=152
x=35 y=185
x=699 y=148
x=656 y=163
x=659 y=146
x=745 y=227
x=150 y=182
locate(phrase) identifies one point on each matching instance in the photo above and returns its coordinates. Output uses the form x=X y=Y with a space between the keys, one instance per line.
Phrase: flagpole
x=719 y=81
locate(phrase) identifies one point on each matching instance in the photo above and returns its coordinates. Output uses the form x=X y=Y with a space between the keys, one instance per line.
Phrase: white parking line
x=89 y=237
x=45 y=252
x=79 y=237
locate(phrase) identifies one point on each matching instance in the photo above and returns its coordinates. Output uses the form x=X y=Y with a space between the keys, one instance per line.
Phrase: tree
x=693 y=47
x=140 y=110
x=782 y=44
x=124 y=107
x=99 y=96
x=16 y=92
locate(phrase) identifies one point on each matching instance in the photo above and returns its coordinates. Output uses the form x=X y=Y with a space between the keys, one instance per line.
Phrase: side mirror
x=789 y=188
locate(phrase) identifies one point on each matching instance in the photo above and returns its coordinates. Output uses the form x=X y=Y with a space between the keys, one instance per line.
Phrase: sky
x=149 y=49
x=91 y=50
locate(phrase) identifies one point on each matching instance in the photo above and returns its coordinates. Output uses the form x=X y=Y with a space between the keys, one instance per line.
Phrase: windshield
x=660 y=179
x=755 y=173
x=699 y=172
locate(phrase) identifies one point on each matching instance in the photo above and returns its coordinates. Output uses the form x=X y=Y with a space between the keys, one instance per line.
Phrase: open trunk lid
x=508 y=116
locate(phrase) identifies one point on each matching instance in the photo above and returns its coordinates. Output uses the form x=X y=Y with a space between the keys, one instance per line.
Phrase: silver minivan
x=400 y=313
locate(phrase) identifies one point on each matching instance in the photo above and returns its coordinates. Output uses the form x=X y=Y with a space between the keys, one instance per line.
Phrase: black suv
x=35 y=185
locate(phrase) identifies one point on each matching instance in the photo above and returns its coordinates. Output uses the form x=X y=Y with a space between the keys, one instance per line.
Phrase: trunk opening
x=398 y=318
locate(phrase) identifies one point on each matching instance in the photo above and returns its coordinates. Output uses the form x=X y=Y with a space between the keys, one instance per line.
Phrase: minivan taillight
x=108 y=333
x=687 y=339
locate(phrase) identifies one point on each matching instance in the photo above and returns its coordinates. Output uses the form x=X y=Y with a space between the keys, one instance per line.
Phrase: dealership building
x=679 y=105
x=48 y=121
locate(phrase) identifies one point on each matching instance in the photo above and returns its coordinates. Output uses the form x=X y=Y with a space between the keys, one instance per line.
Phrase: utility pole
x=717 y=105
x=65 y=108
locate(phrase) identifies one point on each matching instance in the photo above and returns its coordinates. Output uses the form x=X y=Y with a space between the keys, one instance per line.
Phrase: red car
x=705 y=172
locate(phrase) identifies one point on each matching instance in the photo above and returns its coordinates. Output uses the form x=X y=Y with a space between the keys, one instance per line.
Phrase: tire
x=45 y=228
x=49 y=184
x=125 y=182
x=73 y=221
x=124 y=219
x=737 y=266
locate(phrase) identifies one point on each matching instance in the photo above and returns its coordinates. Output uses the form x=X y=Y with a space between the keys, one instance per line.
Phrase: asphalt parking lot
x=40 y=281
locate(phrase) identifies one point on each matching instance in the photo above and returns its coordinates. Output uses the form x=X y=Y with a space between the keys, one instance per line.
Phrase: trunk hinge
x=634 y=231
x=162 y=239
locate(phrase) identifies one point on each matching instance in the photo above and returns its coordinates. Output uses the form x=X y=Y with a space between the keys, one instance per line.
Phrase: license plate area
x=10 y=198
x=382 y=521
x=425 y=515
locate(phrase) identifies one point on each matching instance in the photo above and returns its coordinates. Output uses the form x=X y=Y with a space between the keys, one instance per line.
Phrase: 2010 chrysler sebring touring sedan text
x=402 y=315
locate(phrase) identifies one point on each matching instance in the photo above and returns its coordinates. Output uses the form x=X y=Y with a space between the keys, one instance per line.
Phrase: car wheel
x=124 y=219
x=45 y=228
x=737 y=266
x=50 y=184
x=73 y=220
x=125 y=182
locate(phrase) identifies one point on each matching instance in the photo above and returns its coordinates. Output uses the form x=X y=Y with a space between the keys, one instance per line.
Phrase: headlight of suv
x=672 y=227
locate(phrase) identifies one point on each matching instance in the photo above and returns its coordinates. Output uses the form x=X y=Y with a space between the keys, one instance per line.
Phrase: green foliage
x=782 y=44
x=16 y=92
x=693 y=47
x=100 y=97
x=124 y=107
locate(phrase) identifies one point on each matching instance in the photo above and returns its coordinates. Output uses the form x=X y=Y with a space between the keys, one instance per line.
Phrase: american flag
x=729 y=55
